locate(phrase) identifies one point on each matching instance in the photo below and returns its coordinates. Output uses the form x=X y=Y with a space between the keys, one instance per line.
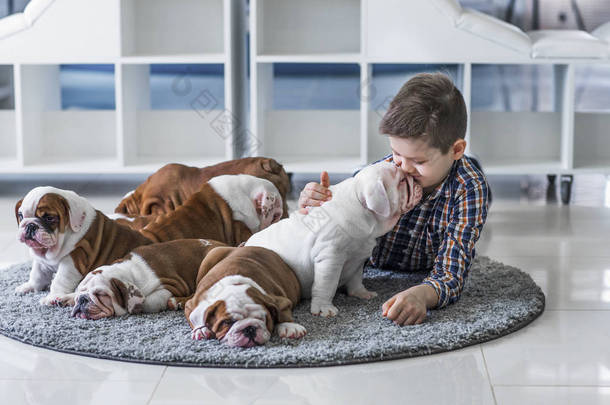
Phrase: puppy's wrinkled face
x=40 y=226
x=241 y=327
x=386 y=191
x=98 y=297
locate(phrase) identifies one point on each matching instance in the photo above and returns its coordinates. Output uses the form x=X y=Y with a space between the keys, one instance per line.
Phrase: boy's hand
x=409 y=307
x=314 y=194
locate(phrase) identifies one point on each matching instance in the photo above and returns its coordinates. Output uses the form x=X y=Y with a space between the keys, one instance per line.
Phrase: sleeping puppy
x=172 y=185
x=228 y=209
x=243 y=294
x=327 y=247
x=67 y=238
x=150 y=279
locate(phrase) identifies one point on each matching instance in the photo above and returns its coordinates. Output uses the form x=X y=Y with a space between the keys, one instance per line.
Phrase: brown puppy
x=242 y=294
x=229 y=209
x=171 y=186
x=149 y=279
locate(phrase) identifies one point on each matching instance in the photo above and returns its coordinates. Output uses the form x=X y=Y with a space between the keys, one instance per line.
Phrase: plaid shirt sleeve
x=456 y=252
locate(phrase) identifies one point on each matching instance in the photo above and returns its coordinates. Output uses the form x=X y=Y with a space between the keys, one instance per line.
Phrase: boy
x=426 y=126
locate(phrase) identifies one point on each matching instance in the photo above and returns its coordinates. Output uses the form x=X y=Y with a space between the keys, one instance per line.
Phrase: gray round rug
x=497 y=300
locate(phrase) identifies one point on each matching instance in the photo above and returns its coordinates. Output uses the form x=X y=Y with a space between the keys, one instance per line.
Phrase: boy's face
x=426 y=164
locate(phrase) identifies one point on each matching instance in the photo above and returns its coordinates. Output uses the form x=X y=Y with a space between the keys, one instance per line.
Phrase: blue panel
x=87 y=87
x=315 y=86
x=176 y=87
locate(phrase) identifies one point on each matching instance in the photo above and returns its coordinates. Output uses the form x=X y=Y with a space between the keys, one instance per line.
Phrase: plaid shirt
x=439 y=234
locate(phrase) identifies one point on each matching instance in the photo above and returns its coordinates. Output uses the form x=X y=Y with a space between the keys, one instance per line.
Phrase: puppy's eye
x=49 y=218
x=228 y=323
x=20 y=215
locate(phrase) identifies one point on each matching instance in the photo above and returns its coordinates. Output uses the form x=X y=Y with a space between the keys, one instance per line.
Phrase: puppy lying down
x=327 y=247
x=228 y=208
x=243 y=295
x=151 y=278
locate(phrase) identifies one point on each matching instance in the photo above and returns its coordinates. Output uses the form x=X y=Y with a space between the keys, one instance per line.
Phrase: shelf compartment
x=8 y=143
x=7 y=93
x=172 y=116
x=300 y=120
x=292 y=27
x=592 y=118
x=160 y=27
x=500 y=137
x=50 y=134
x=294 y=138
x=521 y=125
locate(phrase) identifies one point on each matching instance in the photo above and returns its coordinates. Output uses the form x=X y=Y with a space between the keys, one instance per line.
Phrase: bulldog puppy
x=67 y=238
x=229 y=209
x=172 y=185
x=150 y=279
x=328 y=246
x=242 y=295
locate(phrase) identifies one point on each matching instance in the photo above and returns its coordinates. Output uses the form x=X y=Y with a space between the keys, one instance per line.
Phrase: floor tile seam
x=491 y=386
x=154 y=391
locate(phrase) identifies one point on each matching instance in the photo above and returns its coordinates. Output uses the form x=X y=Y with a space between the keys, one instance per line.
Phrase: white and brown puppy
x=328 y=246
x=150 y=279
x=67 y=238
x=243 y=295
x=229 y=209
x=170 y=186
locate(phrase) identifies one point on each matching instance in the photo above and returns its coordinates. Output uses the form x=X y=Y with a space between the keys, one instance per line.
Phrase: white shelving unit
x=8 y=144
x=369 y=33
x=37 y=135
x=303 y=32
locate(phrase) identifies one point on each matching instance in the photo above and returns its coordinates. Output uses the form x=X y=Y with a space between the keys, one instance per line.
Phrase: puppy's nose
x=30 y=230
x=83 y=300
x=249 y=332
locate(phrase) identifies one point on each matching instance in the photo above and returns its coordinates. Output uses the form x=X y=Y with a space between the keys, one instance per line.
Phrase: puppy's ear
x=77 y=208
x=375 y=198
x=279 y=307
x=211 y=316
x=271 y=166
x=17 y=206
x=127 y=295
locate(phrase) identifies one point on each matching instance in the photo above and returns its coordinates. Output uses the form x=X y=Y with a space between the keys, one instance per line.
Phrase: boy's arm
x=457 y=249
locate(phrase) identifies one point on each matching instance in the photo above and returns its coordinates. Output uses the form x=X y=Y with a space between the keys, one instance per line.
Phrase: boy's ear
x=458 y=149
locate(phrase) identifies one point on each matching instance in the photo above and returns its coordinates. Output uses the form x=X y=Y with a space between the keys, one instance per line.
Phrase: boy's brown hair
x=429 y=107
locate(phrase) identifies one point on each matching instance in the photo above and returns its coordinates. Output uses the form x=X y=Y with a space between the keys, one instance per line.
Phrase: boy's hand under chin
x=409 y=307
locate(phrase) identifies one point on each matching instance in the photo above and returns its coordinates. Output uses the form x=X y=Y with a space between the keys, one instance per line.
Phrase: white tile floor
x=561 y=358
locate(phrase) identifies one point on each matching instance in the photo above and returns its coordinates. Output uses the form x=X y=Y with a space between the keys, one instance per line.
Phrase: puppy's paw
x=290 y=330
x=201 y=333
x=362 y=294
x=58 y=300
x=25 y=288
x=323 y=309
x=173 y=304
